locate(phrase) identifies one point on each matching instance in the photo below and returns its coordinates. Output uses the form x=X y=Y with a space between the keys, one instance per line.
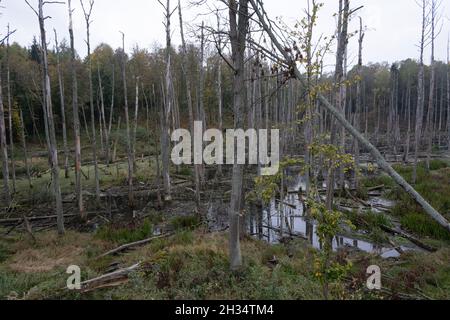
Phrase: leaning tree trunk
x=383 y=164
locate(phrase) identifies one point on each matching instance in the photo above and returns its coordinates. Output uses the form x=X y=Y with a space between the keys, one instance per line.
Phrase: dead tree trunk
x=51 y=135
x=135 y=123
x=111 y=115
x=431 y=99
x=187 y=77
x=104 y=131
x=420 y=93
x=63 y=108
x=448 y=93
x=24 y=146
x=76 y=120
x=239 y=25
x=167 y=107
x=4 y=151
x=87 y=17
x=10 y=116
x=359 y=105
x=383 y=164
x=127 y=122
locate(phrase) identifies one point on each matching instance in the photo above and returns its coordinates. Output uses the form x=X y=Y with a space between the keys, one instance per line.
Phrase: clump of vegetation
x=126 y=234
x=434 y=187
x=184 y=222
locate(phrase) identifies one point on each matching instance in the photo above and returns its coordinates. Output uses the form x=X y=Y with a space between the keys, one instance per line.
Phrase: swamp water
x=289 y=215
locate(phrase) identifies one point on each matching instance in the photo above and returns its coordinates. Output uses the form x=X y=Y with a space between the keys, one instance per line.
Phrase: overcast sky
x=393 y=35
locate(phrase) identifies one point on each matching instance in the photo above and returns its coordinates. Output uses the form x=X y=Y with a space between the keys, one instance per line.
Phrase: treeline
x=143 y=66
x=389 y=92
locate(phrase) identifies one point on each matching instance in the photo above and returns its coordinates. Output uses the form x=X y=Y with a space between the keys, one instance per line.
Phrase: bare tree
x=10 y=114
x=24 y=147
x=420 y=90
x=76 y=119
x=187 y=77
x=111 y=114
x=63 y=108
x=219 y=87
x=448 y=92
x=4 y=151
x=127 y=122
x=135 y=122
x=87 y=16
x=435 y=7
x=168 y=102
x=47 y=96
x=359 y=94
x=239 y=28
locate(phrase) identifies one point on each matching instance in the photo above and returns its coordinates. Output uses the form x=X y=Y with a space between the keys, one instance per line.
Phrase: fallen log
x=376 y=188
x=409 y=237
x=134 y=244
x=17 y=220
x=110 y=279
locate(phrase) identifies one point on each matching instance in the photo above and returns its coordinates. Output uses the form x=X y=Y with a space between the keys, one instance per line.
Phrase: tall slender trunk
x=135 y=123
x=53 y=150
x=420 y=94
x=111 y=115
x=10 y=115
x=239 y=25
x=167 y=109
x=63 y=109
x=24 y=146
x=127 y=122
x=87 y=15
x=4 y=151
x=431 y=99
x=76 y=120
x=359 y=105
x=448 y=94
x=104 y=130
x=189 y=104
